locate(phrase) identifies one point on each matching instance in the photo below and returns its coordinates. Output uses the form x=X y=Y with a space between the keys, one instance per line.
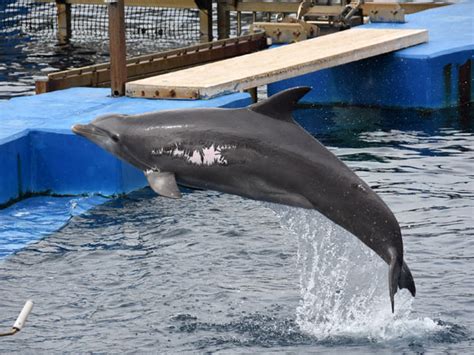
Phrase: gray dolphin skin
x=258 y=152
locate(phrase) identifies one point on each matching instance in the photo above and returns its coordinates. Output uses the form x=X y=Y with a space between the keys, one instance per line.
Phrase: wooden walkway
x=261 y=68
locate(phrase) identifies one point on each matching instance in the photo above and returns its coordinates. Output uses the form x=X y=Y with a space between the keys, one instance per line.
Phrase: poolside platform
x=65 y=175
x=433 y=75
x=40 y=155
x=283 y=62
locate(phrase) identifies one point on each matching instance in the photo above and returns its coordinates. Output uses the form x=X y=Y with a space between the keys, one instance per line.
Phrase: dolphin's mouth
x=88 y=130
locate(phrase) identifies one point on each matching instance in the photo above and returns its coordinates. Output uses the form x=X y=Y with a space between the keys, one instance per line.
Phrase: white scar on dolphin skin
x=151 y=128
x=204 y=156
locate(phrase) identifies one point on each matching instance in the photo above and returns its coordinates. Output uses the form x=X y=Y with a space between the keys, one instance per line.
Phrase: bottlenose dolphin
x=258 y=152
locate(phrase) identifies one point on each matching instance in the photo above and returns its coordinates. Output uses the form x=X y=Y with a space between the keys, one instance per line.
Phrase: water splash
x=344 y=285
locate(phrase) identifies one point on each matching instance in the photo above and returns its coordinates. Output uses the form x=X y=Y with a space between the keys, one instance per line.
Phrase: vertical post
x=117 y=47
x=253 y=94
x=464 y=83
x=205 y=20
x=239 y=23
x=223 y=20
x=64 y=22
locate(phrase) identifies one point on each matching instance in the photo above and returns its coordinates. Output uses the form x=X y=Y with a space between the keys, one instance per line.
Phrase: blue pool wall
x=425 y=76
x=39 y=153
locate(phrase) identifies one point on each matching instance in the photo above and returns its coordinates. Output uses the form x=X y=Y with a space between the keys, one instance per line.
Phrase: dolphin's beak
x=80 y=129
x=87 y=130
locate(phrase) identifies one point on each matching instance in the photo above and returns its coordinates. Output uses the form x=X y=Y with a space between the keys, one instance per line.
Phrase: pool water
x=215 y=272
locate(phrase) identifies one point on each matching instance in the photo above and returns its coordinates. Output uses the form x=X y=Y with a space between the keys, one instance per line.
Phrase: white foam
x=344 y=284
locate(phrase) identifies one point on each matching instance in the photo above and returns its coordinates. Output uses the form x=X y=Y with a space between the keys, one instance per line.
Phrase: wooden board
x=292 y=7
x=261 y=68
x=185 y=4
x=144 y=66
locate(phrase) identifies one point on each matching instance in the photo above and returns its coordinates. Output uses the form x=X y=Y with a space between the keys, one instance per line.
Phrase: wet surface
x=215 y=272
x=29 y=49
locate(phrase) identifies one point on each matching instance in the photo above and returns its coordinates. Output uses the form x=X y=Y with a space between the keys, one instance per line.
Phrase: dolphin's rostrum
x=258 y=152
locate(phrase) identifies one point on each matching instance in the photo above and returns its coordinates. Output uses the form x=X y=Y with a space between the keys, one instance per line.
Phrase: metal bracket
x=303 y=8
x=287 y=31
x=396 y=15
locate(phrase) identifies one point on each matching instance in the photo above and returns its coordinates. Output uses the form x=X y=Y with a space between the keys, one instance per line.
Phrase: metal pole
x=118 y=50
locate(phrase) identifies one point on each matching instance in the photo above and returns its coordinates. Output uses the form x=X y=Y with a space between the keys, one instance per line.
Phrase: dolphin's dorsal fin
x=163 y=183
x=281 y=105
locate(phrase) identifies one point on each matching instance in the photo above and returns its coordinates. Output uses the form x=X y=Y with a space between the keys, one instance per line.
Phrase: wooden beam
x=409 y=7
x=179 y=4
x=258 y=6
x=154 y=64
x=64 y=22
x=223 y=20
x=205 y=20
x=261 y=68
x=117 y=47
x=292 y=7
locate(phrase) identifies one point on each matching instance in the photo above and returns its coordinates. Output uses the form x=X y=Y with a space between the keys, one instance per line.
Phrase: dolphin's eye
x=115 y=137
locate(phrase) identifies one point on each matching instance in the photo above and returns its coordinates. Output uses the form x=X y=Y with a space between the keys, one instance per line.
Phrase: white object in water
x=20 y=321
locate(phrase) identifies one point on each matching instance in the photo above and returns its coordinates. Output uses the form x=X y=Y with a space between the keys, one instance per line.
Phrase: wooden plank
x=259 y=6
x=276 y=64
x=154 y=64
x=179 y=4
x=292 y=7
x=252 y=6
x=409 y=7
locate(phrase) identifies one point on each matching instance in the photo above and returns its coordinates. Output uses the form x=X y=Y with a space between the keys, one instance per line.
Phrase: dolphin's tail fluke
x=406 y=280
x=399 y=277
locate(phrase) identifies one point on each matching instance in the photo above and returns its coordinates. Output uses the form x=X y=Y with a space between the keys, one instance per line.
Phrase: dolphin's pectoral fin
x=163 y=183
x=281 y=105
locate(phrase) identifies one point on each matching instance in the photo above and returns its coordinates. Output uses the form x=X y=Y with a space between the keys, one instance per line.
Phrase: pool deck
x=39 y=154
x=433 y=75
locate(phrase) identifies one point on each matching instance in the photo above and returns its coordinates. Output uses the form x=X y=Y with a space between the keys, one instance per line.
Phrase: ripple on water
x=217 y=272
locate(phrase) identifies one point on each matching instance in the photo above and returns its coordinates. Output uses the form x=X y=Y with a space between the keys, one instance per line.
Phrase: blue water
x=36 y=217
x=29 y=50
x=218 y=273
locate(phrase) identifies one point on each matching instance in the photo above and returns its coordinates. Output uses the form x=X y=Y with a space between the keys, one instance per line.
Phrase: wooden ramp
x=261 y=68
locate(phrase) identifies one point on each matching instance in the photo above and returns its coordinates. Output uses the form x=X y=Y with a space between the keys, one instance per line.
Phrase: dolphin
x=258 y=152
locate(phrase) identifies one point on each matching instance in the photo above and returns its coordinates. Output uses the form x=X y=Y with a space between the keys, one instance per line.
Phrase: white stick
x=20 y=321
